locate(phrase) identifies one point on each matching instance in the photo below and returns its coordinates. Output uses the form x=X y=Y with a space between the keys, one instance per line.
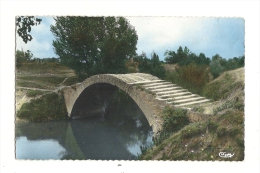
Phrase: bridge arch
x=129 y=83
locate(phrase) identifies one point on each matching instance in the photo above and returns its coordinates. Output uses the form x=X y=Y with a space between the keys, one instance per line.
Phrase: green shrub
x=218 y=64
x=198 y=109
x=212 y=126
x=193 y=130
x=221 y=132
x=192 y=77
x=173 y=120
x=48 y=107
x=240 y=140
x=152 y=66
x=212 y=91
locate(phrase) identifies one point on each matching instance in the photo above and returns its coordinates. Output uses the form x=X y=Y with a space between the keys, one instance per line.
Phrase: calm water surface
x=118 y=136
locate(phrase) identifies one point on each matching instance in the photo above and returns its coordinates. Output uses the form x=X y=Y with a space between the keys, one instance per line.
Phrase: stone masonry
x=150 y=93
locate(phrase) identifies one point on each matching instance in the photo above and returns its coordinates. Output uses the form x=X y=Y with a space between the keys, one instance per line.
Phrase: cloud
x=163 y=30
x=206 y=35
x=224 y=36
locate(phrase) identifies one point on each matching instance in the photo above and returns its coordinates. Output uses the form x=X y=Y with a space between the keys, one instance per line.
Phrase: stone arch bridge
x=150 y=93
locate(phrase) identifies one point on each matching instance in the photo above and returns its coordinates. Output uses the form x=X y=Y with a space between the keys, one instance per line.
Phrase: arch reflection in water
x=116 y=136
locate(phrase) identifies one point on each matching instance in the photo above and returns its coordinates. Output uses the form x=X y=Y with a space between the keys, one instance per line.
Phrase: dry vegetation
x=221 y=132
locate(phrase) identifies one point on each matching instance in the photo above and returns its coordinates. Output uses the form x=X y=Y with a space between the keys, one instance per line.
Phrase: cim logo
x=226 y=155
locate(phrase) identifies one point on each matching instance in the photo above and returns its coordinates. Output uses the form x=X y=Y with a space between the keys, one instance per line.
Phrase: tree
x=24 y=25
x=21 y=56
x=185 y=57
x=217 y=65
x=170 y=57
x=94 y=45
x=152 y=66
x=173 y=57
x=192 y=77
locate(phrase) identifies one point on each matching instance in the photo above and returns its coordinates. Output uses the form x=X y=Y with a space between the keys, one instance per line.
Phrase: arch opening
x=103 y=86
x=93 y=100
x=121 y=132
x=109 y=102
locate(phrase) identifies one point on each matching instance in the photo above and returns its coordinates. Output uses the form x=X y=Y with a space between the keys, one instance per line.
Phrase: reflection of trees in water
x=40 y=131
x=128 y=119
x=125 y=125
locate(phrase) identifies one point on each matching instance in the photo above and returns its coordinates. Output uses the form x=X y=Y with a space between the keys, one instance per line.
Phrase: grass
x=53 y=80
x=198 y=109
x=44 y=75
x=71 y=80
x=45 y=67
x=139 y=86
x=173 y=120
x=229 y=104
x=221 y=87
x=32 y=85
x=223 y=131
x=204 y=140
x=34 y=93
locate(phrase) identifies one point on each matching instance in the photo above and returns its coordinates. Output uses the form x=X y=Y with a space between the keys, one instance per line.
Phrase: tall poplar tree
x=94 y=45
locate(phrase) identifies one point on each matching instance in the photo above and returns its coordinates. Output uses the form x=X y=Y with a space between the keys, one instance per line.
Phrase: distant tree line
x=152 y=66
x=194 y=71
x=22 y=56
x=217 y=64
x=185 y=57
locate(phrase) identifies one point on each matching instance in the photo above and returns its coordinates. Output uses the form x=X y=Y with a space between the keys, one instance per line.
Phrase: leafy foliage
x=94 y=45
x=24 y=25
x=132 y=66
x=48 y=107
x=21 y=56
x=152 y=66
x=174 y=119
x=218 y=64
x=185 y=57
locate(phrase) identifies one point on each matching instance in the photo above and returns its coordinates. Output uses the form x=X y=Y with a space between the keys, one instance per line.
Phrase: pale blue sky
x=223 y=36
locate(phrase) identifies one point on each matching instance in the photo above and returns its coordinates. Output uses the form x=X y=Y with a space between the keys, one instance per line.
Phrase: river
x=116 y=136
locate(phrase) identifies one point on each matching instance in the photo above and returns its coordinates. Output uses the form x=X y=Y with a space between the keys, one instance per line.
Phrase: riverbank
x=210 y=130
x=222 y=131
x=37 y=90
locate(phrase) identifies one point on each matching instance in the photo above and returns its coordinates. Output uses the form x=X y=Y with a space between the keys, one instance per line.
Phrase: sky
x=211 y=36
